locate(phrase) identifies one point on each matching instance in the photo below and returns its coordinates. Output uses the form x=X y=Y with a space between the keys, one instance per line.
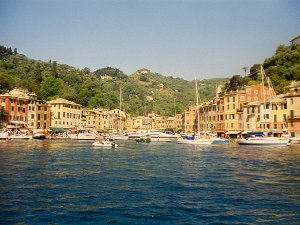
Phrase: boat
x=220 y=141
x=119 y=136
x=137 y=134
x=260 y=138
x=19 y=136
x=295 y=140
x=265 y=141
x=39 y=134
x=195 y=139
x=161 y=136
x=3 y=135
x=105 y=143
x=82 y=133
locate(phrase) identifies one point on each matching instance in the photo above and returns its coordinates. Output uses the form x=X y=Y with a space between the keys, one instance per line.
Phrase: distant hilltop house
x=295 y=41
x=106 y=77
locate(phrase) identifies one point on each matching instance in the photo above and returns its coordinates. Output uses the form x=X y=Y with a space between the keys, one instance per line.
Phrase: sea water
x=72 y=182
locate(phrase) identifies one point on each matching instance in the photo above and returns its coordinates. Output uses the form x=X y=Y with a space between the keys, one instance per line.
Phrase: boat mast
x=197 y=108
x=264 y=96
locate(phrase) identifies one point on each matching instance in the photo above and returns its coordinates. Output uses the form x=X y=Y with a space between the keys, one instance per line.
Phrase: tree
x=50 y=87
x=235 y=83
x=54 y=69
x=3 y=117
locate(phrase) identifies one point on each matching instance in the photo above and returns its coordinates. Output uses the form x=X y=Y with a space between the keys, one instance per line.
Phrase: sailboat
x=196 y=140
x=119 y=135
x=265 y=141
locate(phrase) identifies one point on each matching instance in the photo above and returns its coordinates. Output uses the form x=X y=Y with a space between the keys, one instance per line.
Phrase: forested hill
x=142 y=92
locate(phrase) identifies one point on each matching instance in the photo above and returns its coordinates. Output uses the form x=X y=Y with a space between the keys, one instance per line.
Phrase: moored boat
x=161 y=136
x=82 y=133
x=265 y=141
x=105 y=143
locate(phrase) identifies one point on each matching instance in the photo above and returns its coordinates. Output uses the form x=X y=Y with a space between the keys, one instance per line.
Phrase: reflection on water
x=72 y=182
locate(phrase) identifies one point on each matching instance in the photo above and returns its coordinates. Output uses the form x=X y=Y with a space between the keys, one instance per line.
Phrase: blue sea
x=72 y=182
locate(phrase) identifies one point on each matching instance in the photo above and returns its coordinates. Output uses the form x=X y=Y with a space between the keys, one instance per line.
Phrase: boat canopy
x=258 y=133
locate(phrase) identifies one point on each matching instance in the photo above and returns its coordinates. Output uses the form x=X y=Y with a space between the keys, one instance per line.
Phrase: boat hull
x=264 y=142
x=82 y=136
x=196 y=141
x=105 y=144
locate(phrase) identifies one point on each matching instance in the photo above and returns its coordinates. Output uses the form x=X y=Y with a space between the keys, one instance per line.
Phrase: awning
x=257 y=133
x=233 y=132
x=57 y=129
x=18 y=122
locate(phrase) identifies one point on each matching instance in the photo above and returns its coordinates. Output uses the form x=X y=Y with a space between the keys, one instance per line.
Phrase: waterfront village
x=231 y=115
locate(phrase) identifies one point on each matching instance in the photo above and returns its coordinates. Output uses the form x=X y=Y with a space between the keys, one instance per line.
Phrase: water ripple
x=71 y=182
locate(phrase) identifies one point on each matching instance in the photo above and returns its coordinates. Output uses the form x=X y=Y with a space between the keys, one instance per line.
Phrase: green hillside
x=143 y=92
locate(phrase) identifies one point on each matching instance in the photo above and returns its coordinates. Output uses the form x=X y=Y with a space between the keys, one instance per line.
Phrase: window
x=39 y=116
x=38 y=125
x=292 y=114
x=45 y=116
x=275 y=118
x=64 y=114
x=292 y=101
x=32 y=116
x=39 y=107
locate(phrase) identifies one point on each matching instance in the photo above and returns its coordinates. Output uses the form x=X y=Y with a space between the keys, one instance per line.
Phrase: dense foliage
x=282 y=68
x=142 y=92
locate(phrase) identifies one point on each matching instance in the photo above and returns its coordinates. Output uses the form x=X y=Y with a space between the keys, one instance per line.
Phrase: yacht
x=82 y=133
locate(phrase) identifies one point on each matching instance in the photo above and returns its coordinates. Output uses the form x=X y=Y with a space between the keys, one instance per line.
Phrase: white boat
x=105 y=143
x=3 y=135
x=161 y=136
x=81 y=133
x=39 y=134
x=21 y=136
x=196 y=141
x=119 y=136
x=265 y=141
x=137 y=134
x=295 y=140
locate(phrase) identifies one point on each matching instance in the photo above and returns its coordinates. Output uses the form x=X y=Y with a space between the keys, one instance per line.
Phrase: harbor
x=73 y=182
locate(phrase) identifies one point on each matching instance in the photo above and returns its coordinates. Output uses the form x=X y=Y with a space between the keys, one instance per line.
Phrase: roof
x=62 y=101
x=295 y=38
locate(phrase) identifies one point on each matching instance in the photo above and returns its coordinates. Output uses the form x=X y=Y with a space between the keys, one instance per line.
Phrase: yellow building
x=65 y=113
x=293 y=105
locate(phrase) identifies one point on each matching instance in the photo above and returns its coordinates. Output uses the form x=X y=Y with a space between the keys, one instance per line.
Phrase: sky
x=181 y=38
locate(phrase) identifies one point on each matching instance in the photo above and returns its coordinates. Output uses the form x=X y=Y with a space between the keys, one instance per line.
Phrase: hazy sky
x=179 y=38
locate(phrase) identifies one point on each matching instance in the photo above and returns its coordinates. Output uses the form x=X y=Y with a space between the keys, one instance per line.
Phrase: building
x=65 y=114
x=295 y=41
x=293 y=105
x=15 y=102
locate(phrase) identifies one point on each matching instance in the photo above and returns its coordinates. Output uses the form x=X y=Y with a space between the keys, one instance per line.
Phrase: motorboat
x=3 y=135
x=82 y=133
x=120 y=136
x=105 y=143
x=161 y=136
x=195 y=141
x=265 y=141
x=39 y=134
x=137 y=134
x=295 y=140
x=220 y=141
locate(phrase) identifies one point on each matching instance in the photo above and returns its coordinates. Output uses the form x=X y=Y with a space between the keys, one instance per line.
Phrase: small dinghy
x=105 y=143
